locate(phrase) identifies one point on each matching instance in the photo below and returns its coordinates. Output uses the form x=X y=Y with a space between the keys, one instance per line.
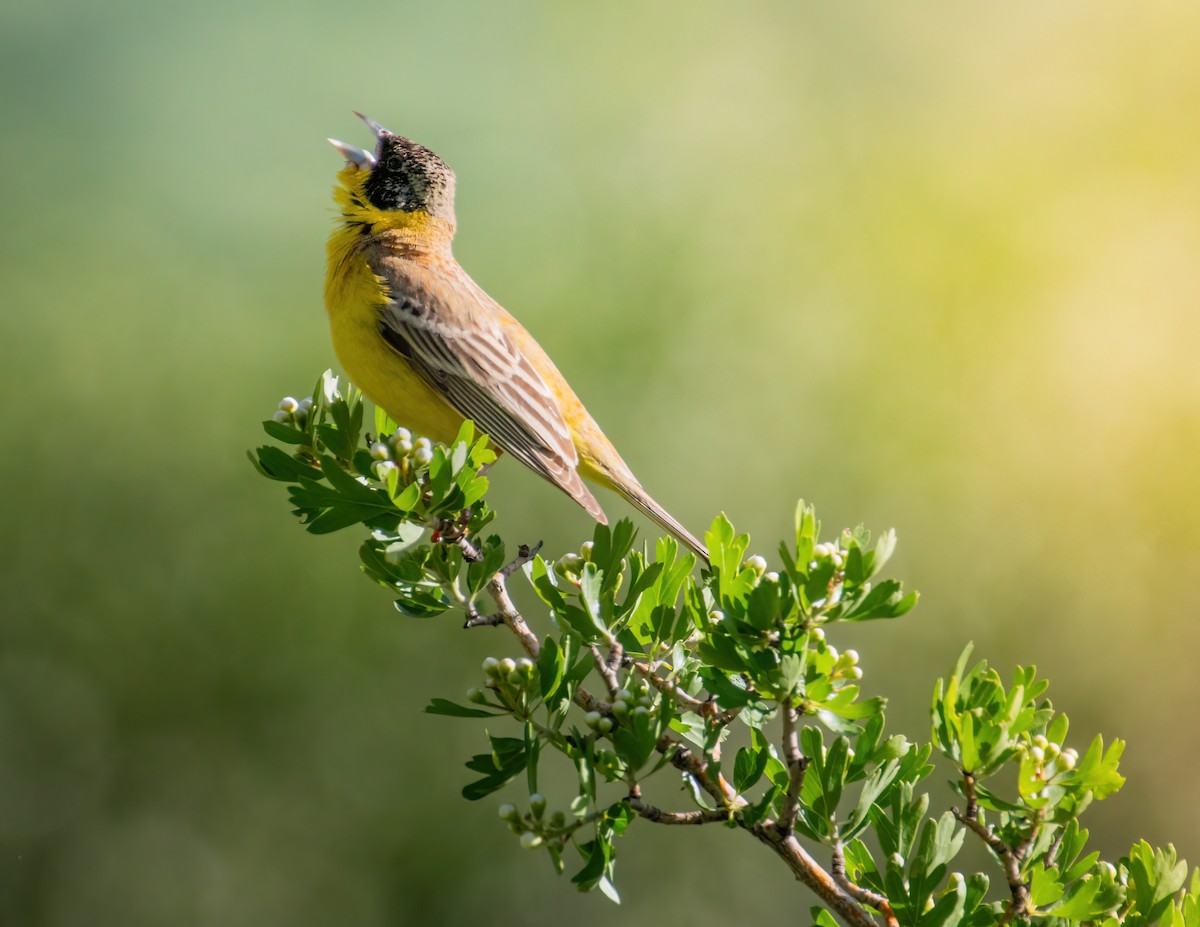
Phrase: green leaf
x=507 y=759
x=406 y=500
x=591 y=583
x=1045 y=886
x=550 y=668
x=281 y=431
x=1088 y=900
x=948 y=910
x=440 y=706
x=383 y=424
x=277 y=464
x=748 y=767
x=480 y=572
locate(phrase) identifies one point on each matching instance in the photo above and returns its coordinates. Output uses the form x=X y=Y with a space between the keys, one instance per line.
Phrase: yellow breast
x=354 y=297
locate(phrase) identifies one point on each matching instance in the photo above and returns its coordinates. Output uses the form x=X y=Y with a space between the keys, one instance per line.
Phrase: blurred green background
x=929 y=268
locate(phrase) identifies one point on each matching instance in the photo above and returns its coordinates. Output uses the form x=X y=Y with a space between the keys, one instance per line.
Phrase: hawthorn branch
x=605 y=668
x=508 y=615
x=863 y=896
x=671 y=689
x=797 y=765
x=658 y=816
x=1010 y=857
x=781 y=841
x=809 y=871
x=687 y=762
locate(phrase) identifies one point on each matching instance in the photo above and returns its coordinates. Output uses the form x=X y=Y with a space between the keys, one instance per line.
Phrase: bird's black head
x=402 y=176
x=409 y=177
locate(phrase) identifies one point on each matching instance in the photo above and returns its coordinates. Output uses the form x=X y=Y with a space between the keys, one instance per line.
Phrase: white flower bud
x=507 y=812
x=401 y=434
x=530 y=840
x=1037 y=754
x=757 y=564
x=507 y=665
x=771 y=577
x=571 y=563
x=592 y=718
x=381 y=468
x=422 y=454
x=854 y=672
x=491 y=665
x=306 y=404
x=585 y=550
x=281 y=416
x=380 y=451
x=851 y=657
x=1068 y=759
x=288 y=404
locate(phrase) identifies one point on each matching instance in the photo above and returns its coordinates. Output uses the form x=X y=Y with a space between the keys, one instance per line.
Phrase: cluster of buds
x=397 y=449
x=533 y=826
x=293 y=411
x=634 y=703
x=827 y=550
x=845 y=665
x=1049 y=758
x=512 y=680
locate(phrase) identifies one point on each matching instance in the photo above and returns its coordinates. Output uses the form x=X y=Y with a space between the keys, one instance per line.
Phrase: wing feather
x=465 y=354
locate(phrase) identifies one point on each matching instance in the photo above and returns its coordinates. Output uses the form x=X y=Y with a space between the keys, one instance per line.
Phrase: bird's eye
x=394 y=163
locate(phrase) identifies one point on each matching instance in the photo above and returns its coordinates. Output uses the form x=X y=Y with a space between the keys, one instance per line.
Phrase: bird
x=426 y=343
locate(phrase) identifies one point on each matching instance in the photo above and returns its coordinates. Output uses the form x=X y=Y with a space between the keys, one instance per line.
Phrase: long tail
x=640 y=499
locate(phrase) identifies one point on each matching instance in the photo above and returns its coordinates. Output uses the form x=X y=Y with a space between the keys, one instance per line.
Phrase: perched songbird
x=425 y=342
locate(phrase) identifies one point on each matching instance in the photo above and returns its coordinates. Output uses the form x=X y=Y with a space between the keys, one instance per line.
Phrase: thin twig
x=671 y=689
x=658 y=816
x=797 y=765
x=508 y=615
x=687 y=762
x=476 y=620
x=605 y=669
x=1010 y=857
x=525 y=553
x=863 y=896
x=1055 y=846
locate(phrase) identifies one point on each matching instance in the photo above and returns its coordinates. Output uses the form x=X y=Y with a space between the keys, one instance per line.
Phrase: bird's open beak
x=363 y=160
x=380 y=132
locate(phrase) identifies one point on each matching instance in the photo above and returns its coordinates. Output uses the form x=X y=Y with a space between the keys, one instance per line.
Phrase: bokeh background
x=929 y=268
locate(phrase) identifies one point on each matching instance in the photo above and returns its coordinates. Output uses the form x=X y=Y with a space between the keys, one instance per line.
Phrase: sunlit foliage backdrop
x=933 y=268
